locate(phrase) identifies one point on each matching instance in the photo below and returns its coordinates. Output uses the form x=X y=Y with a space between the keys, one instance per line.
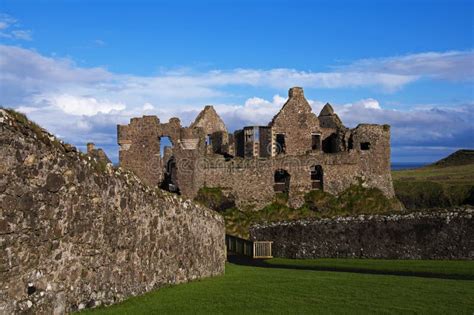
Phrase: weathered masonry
x=442 y=234
x=296 y=152
x=75 y=235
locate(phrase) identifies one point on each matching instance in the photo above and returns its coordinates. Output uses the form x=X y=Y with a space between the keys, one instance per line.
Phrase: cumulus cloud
x=26 y=73
x=80 y=105
x=254 y=111
x=440 y=126
x=85 y=104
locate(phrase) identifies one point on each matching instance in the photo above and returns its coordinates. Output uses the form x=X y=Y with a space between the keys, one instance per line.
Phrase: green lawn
x=255 y=290
x=460 y=269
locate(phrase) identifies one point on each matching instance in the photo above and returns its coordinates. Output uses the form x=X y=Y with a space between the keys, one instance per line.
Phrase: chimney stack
x=296 y=92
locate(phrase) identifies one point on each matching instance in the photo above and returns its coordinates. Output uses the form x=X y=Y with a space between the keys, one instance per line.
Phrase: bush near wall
x=429 y=194
x=355 y=200
x=215 y=198
x=447 y=183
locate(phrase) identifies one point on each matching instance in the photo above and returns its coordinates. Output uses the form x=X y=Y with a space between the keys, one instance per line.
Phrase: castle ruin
x=296 y=152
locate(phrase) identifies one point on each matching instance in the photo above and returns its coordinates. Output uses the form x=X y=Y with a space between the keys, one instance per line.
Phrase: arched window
x=316 y=177
x=281 y=181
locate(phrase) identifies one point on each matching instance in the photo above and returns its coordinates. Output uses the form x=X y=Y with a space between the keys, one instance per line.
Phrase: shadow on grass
x=247 y=261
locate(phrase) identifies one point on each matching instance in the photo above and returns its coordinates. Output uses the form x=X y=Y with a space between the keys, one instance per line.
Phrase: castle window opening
x=208 y=140
x=365 y=146
x=280 y=143
x=248 y=135
x=330 y=144
x=315 y=142
x=316 y=177
x=256 y=134
x=350 y=143
x=281 y=181
x=165 y=144
x=169 y=182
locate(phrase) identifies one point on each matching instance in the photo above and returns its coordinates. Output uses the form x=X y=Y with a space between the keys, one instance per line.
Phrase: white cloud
x=99 y=42
x=3 y=25
x=451 y=65
x=9 y=29
x=255 y=111
x=22 y=34
x=26 y=73
x=148 y=107
x=85 y=104
x=80 y=105
x=6 y=21
x=424 y=126
x=368 y=103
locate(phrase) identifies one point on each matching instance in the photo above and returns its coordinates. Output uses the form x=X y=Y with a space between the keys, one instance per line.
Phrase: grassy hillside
x=460 y=157
x=448 y=182
x=255 y=290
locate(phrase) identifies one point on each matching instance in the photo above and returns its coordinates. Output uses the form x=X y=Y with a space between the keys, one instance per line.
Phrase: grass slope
x=460 y=157
x=254 y=290
x=435 y=186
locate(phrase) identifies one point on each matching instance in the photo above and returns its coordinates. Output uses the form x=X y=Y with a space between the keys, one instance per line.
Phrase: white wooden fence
x=256 y=249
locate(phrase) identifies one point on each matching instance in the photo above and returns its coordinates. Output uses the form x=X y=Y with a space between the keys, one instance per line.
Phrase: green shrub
x=214 y=198
x=361 y=200
x=429 y=194
x=469 y=200
x=281 y=198
x=237 y=222
x=320 y=201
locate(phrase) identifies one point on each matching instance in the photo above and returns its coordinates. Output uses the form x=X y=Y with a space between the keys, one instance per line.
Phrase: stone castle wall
x=252 y=180
x=294 y=141
x=438 y=235
x=74 y=235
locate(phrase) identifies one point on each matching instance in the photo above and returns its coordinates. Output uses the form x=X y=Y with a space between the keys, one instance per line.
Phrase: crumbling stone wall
x=97 y=154
x=204 y=156
x=76 y=235
x=447 y=234
x=214 y=128
x=140 y=143
x=252 y=180
x=297 y=122
x=140 y=148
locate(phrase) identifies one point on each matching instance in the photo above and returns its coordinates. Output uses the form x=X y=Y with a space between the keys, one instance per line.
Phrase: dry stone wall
x=439 y=235
x=74 y=235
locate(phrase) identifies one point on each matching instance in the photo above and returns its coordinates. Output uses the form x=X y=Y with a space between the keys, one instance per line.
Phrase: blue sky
x=81 y=67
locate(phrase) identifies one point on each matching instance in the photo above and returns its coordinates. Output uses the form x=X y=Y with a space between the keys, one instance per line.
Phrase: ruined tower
x=296 y=152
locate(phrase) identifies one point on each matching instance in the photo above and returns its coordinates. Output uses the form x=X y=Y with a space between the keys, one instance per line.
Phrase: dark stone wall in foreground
x=440 y=235
x=75 y=233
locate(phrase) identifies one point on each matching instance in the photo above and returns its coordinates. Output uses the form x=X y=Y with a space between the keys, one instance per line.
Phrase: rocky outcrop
x=75 y=233
x=436 y=235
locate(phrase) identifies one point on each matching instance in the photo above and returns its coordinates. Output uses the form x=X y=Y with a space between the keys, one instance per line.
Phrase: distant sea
x=407 y=165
